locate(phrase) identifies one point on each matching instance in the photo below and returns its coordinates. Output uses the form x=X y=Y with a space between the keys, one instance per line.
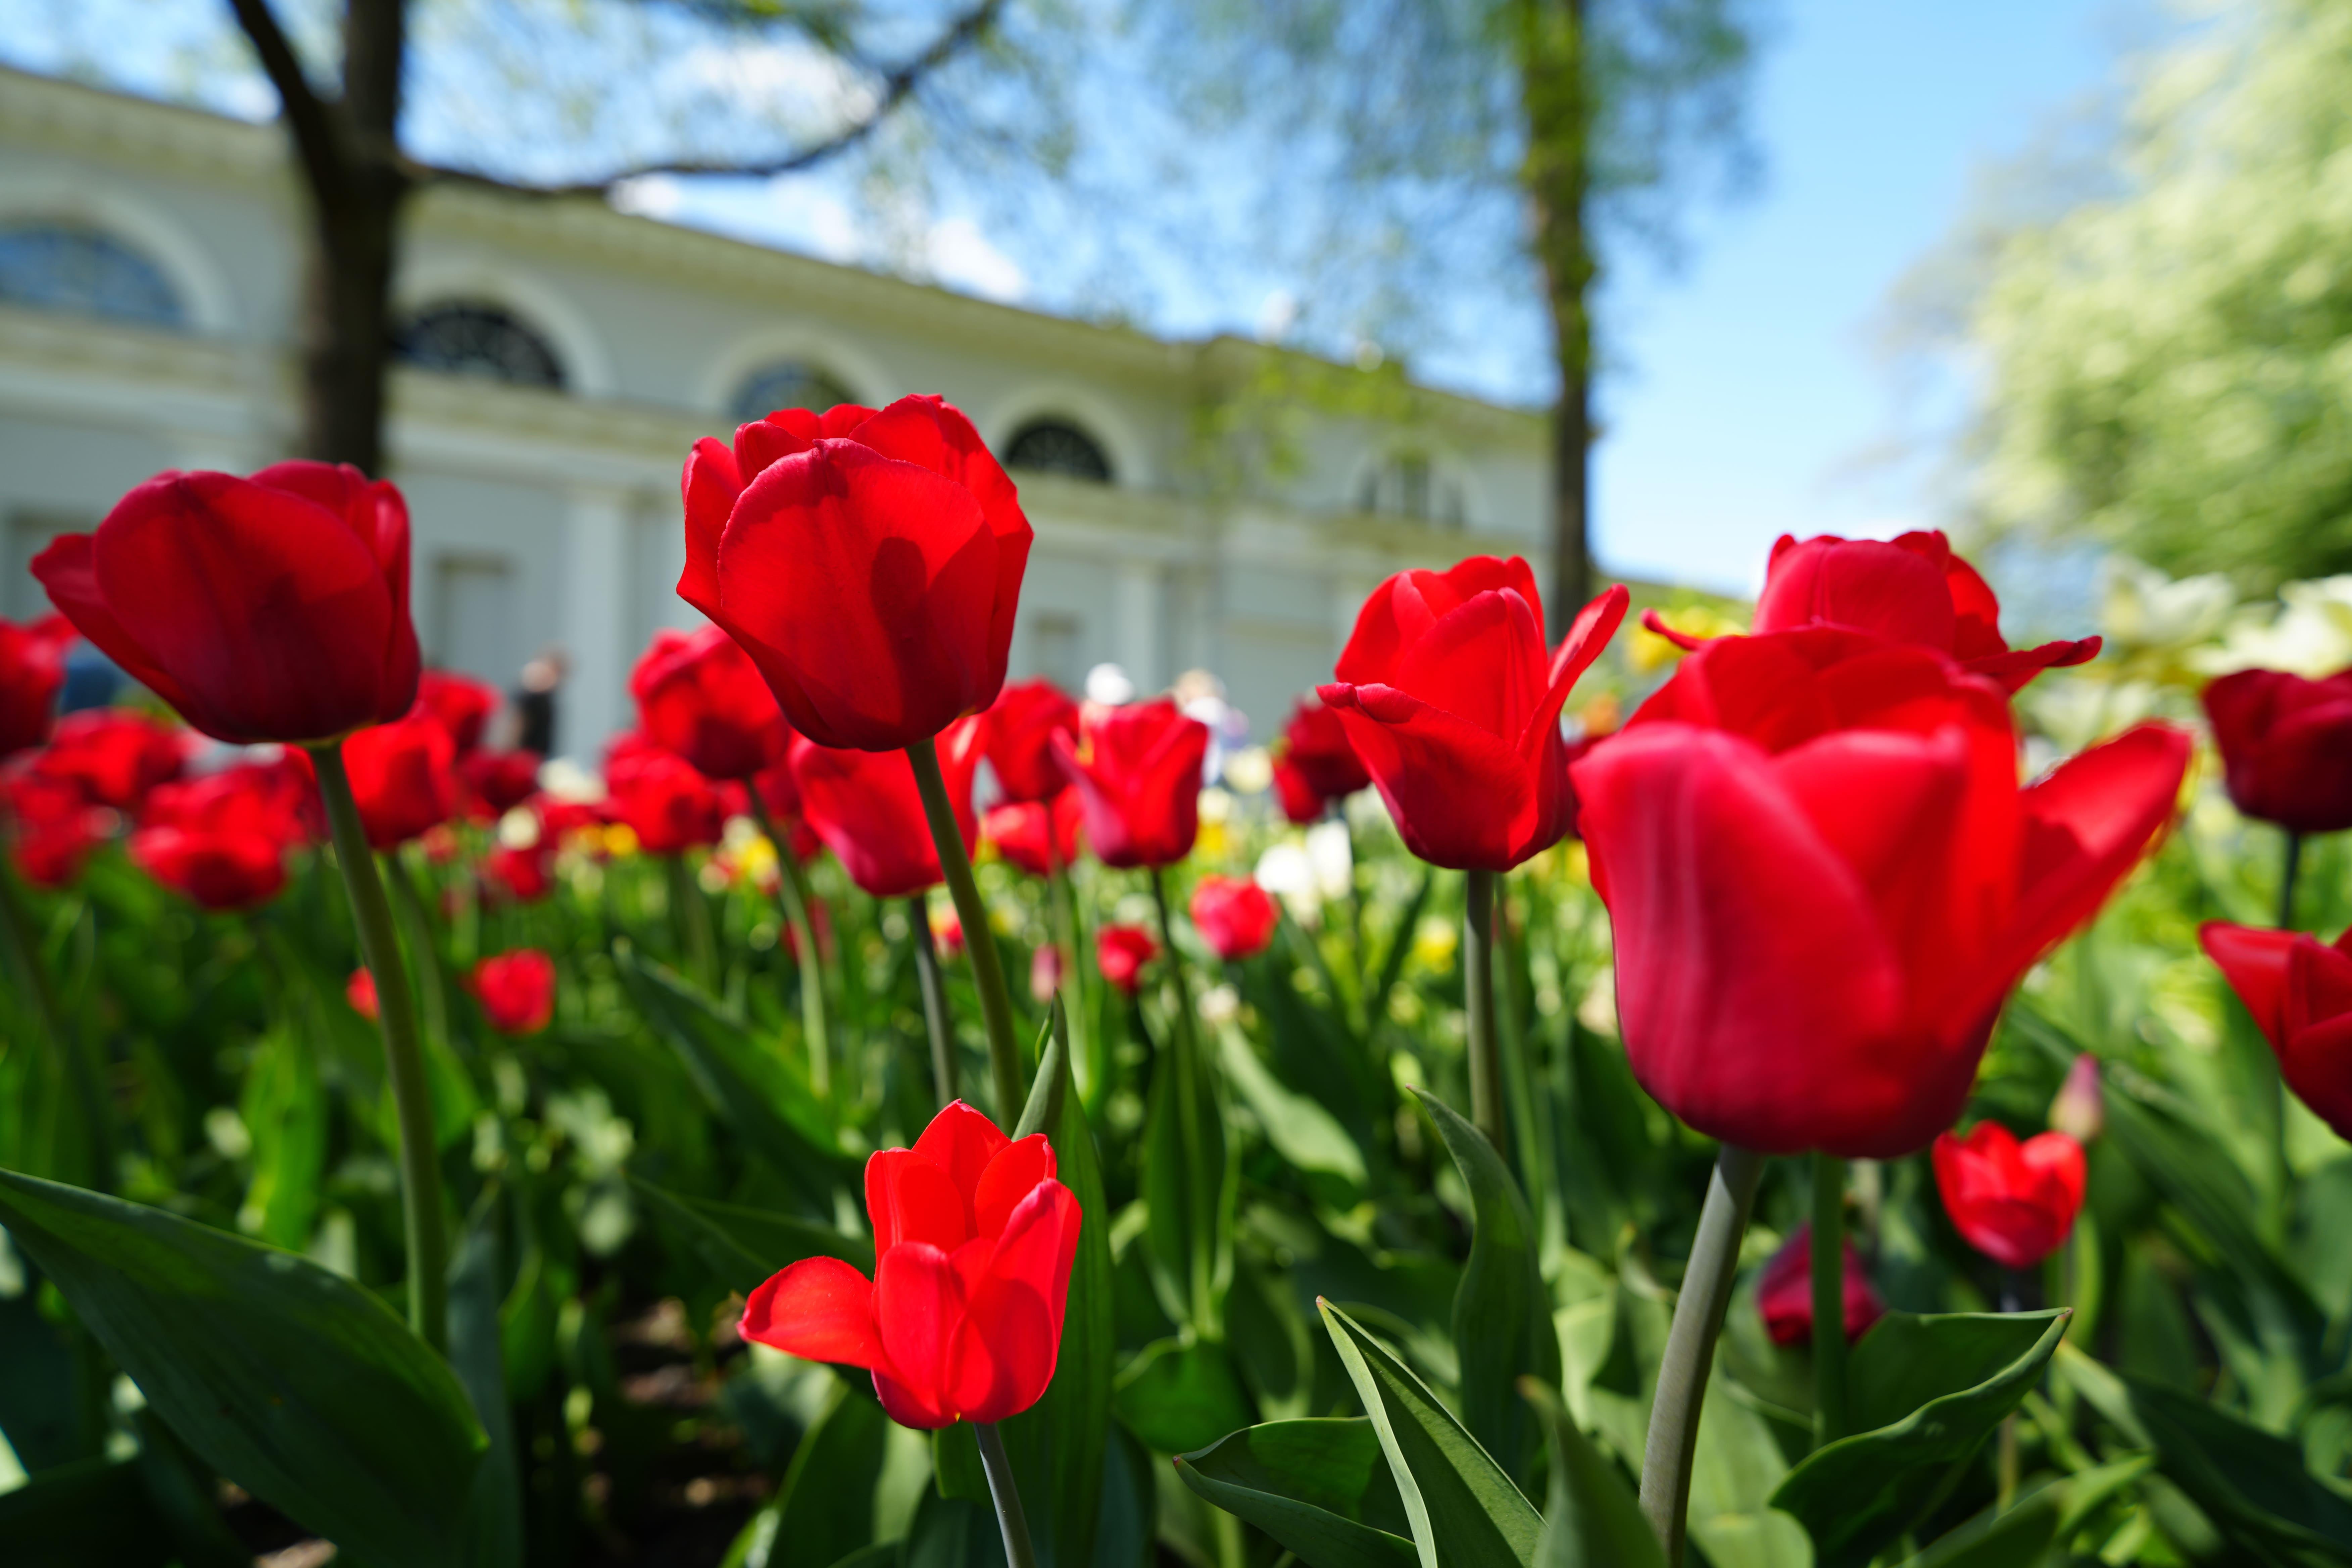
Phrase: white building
x=150 y=270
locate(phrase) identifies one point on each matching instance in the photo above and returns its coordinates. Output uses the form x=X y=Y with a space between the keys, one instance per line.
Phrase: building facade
x=560 y=358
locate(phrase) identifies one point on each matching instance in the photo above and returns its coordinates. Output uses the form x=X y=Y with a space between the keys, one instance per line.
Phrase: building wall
x=545 y=517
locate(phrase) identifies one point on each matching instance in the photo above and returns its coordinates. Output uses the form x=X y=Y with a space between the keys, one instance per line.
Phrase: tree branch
x=308 y=116
x=898 y=84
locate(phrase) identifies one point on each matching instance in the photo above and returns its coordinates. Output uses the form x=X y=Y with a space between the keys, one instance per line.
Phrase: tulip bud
x=1044 y=972
x=2078 y=1111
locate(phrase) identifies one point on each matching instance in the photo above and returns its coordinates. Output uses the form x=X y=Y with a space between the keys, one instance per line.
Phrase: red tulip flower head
x=404 y=776
x=517 y=991
x=32 y=667
x=462 y=704
x=1300 y=804
x=497 y=782
x=865 y=806
x=1784 y=1293
x=273 y=608
x=2299 y=990
x=663 y=798
x=1315 y=746
x=1121 y=951
x=220 y=840
x=1039 y=839
x=1137 y=771
x=1823 y=879
x=1910 y=590
x=973 y=1240
x=359 y=991
x=869 y=563
x=2013 y=1202
x=114 y=756
x=1021 y=730
x=2287 y=746
x=1446 y=694
x=53 y=824
x=1234 y=915
x=699 y=695
x=521 y=876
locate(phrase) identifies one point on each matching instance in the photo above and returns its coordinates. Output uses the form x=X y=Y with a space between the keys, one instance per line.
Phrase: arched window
x=69 y=267
x=1058 y=447
x=1409 y=485
x=790 y=384
x=466 y=337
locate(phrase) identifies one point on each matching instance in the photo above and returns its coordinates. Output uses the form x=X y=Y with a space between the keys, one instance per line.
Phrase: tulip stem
x=1087 y=1072
x=430 y=985
x=1829 y=1299
x=420 y=1177
x=74 y=1060
x=1699 y=1307
x=1478 y=994
x=791 y=893
x=691 y=911
x=2281 y=1198
x=935 y=1019
x=1010 y=1517
x=1186 y=1078
x=979 y=937
x=2290 y=873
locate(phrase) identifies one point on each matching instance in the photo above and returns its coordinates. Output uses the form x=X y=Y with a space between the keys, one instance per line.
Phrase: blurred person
x=534 y=699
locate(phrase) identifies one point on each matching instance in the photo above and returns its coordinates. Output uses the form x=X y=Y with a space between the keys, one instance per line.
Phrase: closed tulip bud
x=1234 y=915
x=1452 y=704
x=2299 y=991
x=1136 y=772
x=2078 y=1110
x=32 y=668
x=1121 y=951
x=2013 y=1202
x=517 y=991
x=359 y=991
x=699 y=695
x=974 y=1242
x=1040 y=838
x=870 y=564
x=462 y=704
x=405 y=777
x=1784 y=1292
x=1021 y=730
x=865 y=808
x=272 y=608
x=2287 y=746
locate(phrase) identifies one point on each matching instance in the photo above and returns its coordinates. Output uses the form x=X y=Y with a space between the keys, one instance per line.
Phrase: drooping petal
x=819 y=1309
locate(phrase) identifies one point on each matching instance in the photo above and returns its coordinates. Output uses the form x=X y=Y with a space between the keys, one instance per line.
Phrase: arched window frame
x=165 y=307
x=1085 y=456
x=488 y=313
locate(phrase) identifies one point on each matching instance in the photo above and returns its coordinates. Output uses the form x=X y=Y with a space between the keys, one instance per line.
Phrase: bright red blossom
x=699 y=695
x=1022 y=725
x=1121 y=951
x=1784 y=1292
x=2013 y=1202
x=663 y=798
x=1314 y=746
x=53 y=826
x=462 y=704
x=1823 y=879
x=219 y=840
x=497 y=782
x=2287 y=746
x=867 y=809
x=517 y=991
x=869 y=563
x=404 y=776
x=359 y=992
x=1137 y=774
x=32 y=667
x=2299 y=990
x=273 y=608
x=973 y=1240
x=1039 y=839
x=1234 y=915
x=1451 y=703
x=114 y=756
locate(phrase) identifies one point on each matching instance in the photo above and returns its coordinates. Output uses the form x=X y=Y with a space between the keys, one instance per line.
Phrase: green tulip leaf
x=827 y=1508
x=477 y=1354
x=291 y=1381
x=740 y=1246
x=1503 y=1328
x=1178 y=1396
x=1925 y=1392
x=1592 y=1519
x=1190 y=1183
x=1309 y=1137
x=2254 y=1484
x=1995 y=1539
x=1452 y=1489
x=92 y=1513
x=1322 y=1489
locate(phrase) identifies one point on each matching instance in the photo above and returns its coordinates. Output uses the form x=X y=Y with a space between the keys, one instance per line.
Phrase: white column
x=593 y=623
x=1136 y=597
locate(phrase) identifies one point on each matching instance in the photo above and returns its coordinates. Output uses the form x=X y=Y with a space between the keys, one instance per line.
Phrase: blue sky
x=1745 y=398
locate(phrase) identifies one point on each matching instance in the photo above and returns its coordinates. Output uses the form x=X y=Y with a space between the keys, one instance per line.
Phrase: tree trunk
x=1556 y=101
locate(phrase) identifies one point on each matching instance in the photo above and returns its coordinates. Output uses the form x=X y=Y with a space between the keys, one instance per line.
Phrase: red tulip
x=517 y=991
x=497 y=782
x=2299 y=990
x=462 y=704
x=1824 y=879
x=32 y=667
x=1447 y=697
x=273 y=608
x=1137 y=774
x=55 y=827
x=1908 y=590
x=865 y=808
x=359 y=992
x=219 y=840
x=869 y=563
x=973 y=1240
x=1315 y=746
x=1234 y=915
x=947 y=931
x=780 y=794
x=2013 y=1202
x=114 y=757
x=664 y=800
x=521 y=876
x=2287 y=746
x=1784 y=1292
x=404 y=776
x=1300 y=803
x=1039 y=839
x=701 y=695
x=1021 y=730
x=1121 y=951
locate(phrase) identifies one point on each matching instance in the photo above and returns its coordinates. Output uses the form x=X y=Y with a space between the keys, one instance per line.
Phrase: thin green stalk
x=691 y=911
x=791 y=893
x=1186 y=1069
x=978 y=939
x=73 y=1057
x=1478 y=993
x=2281 y=1194
x=431 y=985
x=1010 y=1517
x=2290 y=873
x=420 y=1177
x=1829 y=1299
x=1690 y=1346
x=936 y=1021
x=1090 y=1075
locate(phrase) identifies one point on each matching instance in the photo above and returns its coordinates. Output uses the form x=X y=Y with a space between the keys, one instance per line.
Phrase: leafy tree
x=2171 y=367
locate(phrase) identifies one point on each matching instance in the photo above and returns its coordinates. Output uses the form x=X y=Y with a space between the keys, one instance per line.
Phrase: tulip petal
x=908 y=1198
x=2253 y=960
x=68 y=569
x=1482 y=663
x=819 y=1309
x=1881 y=588
x=961 y=1141
x=707 y=488
x=1011 y=1334
x=919 y=1304
x=764 y=441
x=1408 y=604
x=2317 y=1065
x=903 y=1404
x=1459 y=793
x=2318 y=985
x=1010 y=1177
